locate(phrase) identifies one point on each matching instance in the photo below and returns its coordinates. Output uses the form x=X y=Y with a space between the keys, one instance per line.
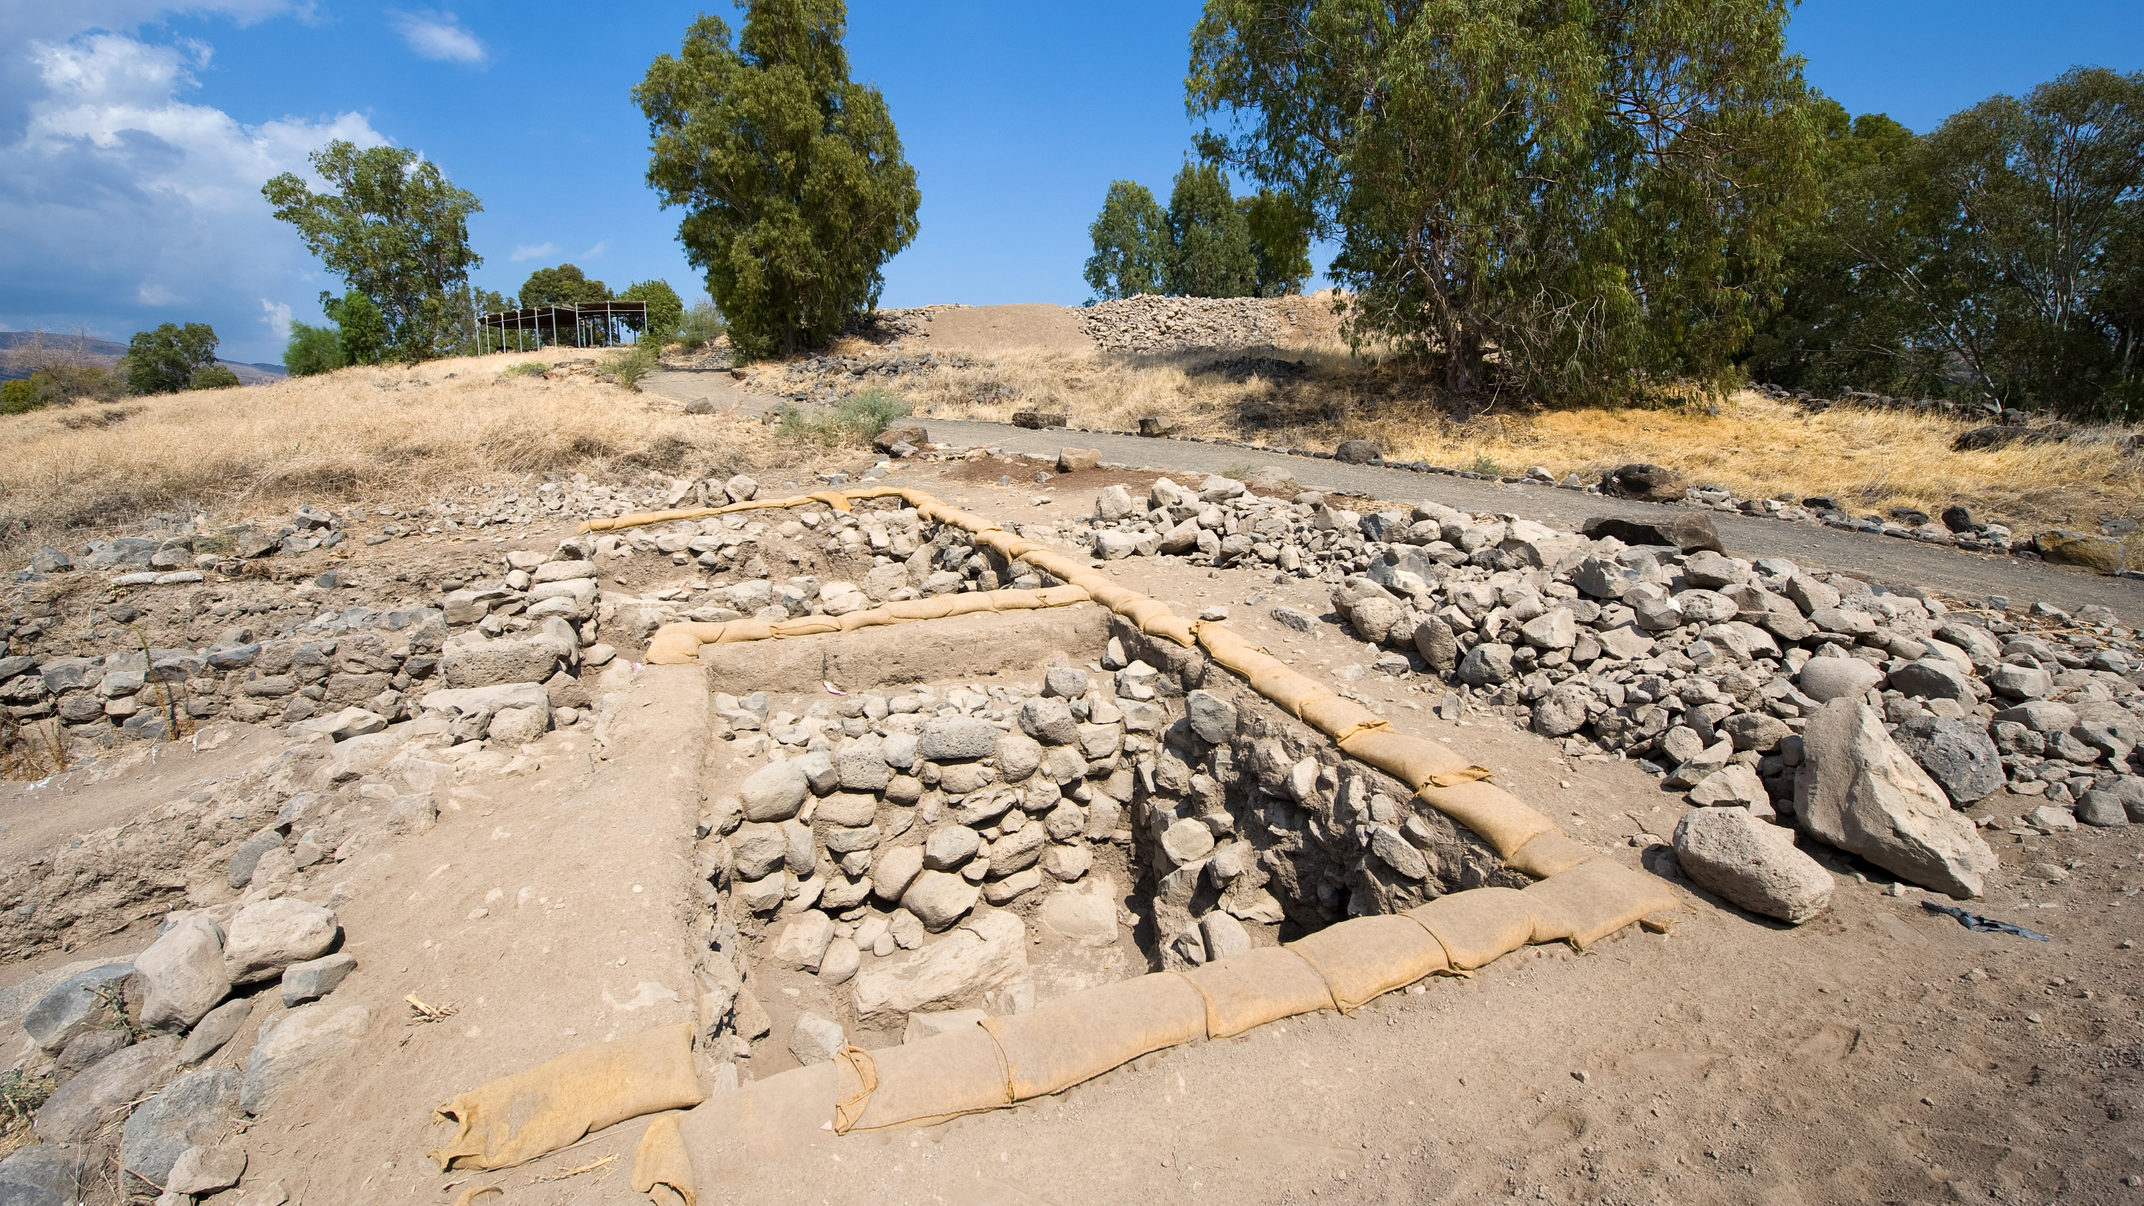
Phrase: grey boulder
x=103 y=1091
x=1858 y=791
x=183 y=975
x=1754 y=864
x=45 y=1174
x=270 y=935
x=73 y=1006
x=1958 y=754
x=295 y=1044
x=194 y=1110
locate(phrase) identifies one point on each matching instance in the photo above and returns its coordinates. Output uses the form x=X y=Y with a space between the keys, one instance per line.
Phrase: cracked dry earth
x=1880 y=1053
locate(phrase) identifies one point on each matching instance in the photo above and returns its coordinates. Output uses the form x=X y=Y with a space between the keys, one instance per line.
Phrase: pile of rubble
x=1154 y=323
x=1707 y=667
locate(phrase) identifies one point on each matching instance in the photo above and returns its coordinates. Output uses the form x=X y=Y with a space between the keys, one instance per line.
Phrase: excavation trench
x=967 y=849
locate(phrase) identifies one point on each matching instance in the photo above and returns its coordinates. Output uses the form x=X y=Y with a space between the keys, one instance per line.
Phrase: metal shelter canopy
x=592 y=324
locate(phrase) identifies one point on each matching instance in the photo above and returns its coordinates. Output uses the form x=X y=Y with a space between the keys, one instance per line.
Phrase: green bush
x=18 y=396
x=163 y=361
x=638 y=362
x=856 y=420
x=666 y=310
x=312 y=350
x=702 y=326
x=213 y=376
x=526 y=368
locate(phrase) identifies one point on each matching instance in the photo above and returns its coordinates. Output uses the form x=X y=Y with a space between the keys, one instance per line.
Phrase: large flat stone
x=1858 y=791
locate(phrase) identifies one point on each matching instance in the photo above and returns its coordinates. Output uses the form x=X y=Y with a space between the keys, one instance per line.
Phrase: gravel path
x=1883 y=558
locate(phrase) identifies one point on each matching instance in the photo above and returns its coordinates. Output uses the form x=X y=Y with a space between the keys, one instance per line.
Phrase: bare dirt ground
x=1881 y=1053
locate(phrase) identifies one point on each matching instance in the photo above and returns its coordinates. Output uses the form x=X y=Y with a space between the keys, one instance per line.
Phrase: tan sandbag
x=471 y=1194
x=1548 y=853
x=1495 y=815
x=1055 y=1046
x=662 y=1168
x=771 y=1119
x=520 y=1117
x=1338 y=718
x=1366 y=957
x=1169 y=626
x=1593 y=900
x=1256 y=987
x=1478 y=926
x=807 y=626
x=679 y=642
x=944 y=1076
x=1415 y=761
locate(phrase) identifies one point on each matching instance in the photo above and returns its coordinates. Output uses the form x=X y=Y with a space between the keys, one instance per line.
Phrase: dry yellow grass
x=1757 y=447
x=376 y=434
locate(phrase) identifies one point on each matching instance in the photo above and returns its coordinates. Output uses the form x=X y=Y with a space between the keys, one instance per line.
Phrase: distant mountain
x=103 y=352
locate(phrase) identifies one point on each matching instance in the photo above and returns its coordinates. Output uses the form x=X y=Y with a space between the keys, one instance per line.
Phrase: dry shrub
x=371 y=434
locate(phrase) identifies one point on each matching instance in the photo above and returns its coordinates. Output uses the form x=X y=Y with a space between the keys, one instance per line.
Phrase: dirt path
x=1954 y=573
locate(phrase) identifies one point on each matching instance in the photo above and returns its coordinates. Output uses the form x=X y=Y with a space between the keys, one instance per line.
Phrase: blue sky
x=134 y=134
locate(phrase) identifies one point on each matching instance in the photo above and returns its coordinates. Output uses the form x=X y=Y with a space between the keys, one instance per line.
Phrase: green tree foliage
x=564 y=285
x=702 y=325
x=791 y=175
x=214 y=376
x=19 y=396
x=361 y=329
x=312 y=350
x=1211 y=252
x=1837 y=324
x=392 y=226
x=163 y=361
x=1996 y=259
x=1280 y=241
x=1592 y=197
x=1132 y=245
x=666 y=310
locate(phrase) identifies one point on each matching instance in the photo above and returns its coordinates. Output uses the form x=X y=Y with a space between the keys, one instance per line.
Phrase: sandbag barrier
x=1525 y=839
x=1579 y=897
x=1004 y=1060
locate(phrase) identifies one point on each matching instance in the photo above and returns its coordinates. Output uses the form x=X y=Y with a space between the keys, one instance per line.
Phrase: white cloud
x=440 y=36
x=122 y=202
x=597 y=250
x=277 y=317
x=529 y=251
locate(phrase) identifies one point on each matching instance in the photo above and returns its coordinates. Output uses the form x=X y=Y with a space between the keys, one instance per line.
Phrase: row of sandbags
x=1527 y=840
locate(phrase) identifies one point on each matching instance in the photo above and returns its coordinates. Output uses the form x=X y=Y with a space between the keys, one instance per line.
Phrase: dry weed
x=1868 y=460
x=361 y=434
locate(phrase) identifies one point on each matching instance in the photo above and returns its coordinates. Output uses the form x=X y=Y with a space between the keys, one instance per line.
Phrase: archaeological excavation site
x=953 y=822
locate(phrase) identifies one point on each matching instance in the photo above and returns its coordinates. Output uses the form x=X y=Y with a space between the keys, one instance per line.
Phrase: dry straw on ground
x=375 y=434
x=1868 y=460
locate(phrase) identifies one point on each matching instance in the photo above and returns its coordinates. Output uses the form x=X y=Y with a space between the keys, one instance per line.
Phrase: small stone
x=949 y=847
x=1048 y=719
x=1187 y=841
x=938 y=899
x=803 y=942
x=315 y=978
x=211 y=1033
x=1211 y=717
x=816 y=1039
x=204 y=1170
x=1224 y=935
